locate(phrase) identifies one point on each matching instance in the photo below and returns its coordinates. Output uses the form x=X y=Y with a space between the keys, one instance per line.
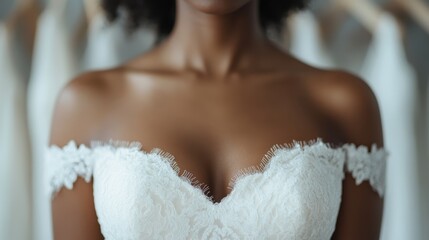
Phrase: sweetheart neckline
x=187 y=177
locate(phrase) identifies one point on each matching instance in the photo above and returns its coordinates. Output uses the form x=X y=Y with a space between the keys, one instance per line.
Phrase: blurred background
x=43 y=44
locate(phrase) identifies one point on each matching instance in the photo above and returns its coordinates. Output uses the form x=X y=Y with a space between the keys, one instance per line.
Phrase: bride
x=215 y=133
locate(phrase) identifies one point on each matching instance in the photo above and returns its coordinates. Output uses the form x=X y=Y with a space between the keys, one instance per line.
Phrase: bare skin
x=217 y=95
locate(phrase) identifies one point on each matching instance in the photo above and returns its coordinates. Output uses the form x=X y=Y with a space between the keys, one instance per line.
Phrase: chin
x=218 y=7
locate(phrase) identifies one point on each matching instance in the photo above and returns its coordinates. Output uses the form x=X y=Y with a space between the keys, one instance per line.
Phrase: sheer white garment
x=294 y=194
x=15 y=157
x=53 y=65
x=393 y=81
x=306 y=41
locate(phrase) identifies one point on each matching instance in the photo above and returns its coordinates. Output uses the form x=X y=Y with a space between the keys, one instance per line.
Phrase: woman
x=210 y=99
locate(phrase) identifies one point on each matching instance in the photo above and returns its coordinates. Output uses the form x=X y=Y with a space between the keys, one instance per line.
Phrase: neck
x=215 y=44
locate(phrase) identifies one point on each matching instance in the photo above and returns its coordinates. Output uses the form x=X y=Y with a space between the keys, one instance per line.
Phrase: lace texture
x=64 y=165
x=295 y=193
x=367 y=165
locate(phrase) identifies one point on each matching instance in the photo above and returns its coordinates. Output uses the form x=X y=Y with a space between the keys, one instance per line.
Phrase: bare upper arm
x=350 y=101
x=75 y=117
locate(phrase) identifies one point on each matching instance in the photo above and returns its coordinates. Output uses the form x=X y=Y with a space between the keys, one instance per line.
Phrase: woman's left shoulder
x=340 y=89
x=348 y=101
x=341 y=92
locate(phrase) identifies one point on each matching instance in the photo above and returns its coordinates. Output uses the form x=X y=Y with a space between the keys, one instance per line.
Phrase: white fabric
x=53 y=65
x=109 y=45
x=394 y=83
x=306 y=41
x=101 y=47
x=424 y=164
x=140 y=195
x=15 y=156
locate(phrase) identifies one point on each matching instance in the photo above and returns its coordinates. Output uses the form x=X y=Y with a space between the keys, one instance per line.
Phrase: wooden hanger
x=417 y=9
x=25 y=15
x=364 y=11
x=58 y=6
x=12 y=19
x=92 y=8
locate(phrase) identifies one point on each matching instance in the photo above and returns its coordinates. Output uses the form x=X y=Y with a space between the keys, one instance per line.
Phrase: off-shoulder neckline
x=137 y=146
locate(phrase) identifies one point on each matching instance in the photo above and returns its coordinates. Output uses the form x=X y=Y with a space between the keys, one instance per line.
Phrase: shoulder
x=79 y=108
x=350 y=103
x=80 y=105
x=92 y=85
x=342 y=92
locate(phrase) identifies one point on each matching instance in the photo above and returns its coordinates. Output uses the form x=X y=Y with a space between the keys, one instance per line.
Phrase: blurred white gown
x=109 y=45
x=306 y=42
x=394 y=83
x=15 y=156
x=53 y=65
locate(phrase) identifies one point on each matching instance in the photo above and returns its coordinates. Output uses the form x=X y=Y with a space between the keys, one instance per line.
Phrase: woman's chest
x=216 y=134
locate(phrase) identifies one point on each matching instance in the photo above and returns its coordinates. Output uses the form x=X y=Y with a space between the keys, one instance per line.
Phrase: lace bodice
x=294 y=194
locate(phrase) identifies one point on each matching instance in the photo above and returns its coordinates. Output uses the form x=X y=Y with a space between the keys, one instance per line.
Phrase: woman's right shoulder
x=81 y=105
x=88 y=89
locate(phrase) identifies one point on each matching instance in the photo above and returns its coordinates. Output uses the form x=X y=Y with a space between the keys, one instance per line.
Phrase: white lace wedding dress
x=140 y=195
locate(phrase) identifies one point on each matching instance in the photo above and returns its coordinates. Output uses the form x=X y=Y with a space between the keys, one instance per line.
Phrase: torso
x=215 y=128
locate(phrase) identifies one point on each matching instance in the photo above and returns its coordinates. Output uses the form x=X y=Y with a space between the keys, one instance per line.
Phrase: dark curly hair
x=160 y=14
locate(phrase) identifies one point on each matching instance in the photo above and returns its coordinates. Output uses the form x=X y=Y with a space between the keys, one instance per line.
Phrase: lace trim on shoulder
x=65 y=164
x=367 y=164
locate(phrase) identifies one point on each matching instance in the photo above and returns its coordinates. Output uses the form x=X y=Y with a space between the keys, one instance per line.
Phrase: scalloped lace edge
x=369 y=165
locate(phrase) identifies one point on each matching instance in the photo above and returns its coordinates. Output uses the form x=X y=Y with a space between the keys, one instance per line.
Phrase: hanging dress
x=109 y=45
x=306 y=43
x=394 y=83
x=15 y=155
x=53 y=65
